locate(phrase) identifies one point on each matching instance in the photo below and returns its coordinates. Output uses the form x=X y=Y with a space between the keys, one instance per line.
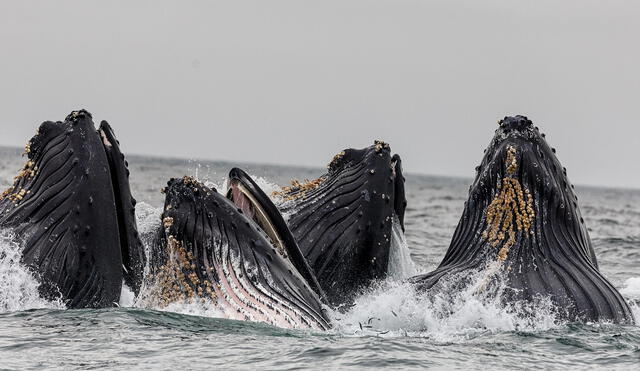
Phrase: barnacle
x=379 y=145
x=176 y=280
x=14 y=193
x=335 y=159
x=510 y=212
x=167 y=222
x=297 y=189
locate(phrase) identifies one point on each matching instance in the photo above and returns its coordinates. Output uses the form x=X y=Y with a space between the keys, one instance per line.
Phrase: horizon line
x=311 y=167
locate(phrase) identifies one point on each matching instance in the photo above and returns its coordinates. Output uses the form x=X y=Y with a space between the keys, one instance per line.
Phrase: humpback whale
x=522 y=217
x=233 y=253
x=342 y=221
x=72 y=209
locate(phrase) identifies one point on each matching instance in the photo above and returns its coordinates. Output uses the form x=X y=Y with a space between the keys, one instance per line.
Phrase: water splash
x=401 y=265
x=18 y=286
x=127 y=297
x=148 y=220
x=631 y=291
x=631 y=288
x=197 y=307
x=221 y=186
x=447 y=314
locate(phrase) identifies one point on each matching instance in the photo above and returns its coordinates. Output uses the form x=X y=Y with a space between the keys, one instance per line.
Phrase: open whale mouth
x=132 y=251
x=72 y=207
x=212 y=248
x=248 y=198
x=257 y=206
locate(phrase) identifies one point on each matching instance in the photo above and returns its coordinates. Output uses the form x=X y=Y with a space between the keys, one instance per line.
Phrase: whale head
x=343 y=220
x=72 y=209
x=522 y=216
x=212 y=248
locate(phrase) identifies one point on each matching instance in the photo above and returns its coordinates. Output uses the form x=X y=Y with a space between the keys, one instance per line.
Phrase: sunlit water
x=390 y=325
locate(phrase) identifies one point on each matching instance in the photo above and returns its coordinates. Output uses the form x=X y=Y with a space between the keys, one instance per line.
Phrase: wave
x=18 y=285
x=449 y=315
x=631 y=291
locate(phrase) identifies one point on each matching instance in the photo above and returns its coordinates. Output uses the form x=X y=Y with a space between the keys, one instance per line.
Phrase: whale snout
x=517 y=122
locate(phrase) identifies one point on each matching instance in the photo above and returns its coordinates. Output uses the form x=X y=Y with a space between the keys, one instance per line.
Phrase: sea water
x=390 y=325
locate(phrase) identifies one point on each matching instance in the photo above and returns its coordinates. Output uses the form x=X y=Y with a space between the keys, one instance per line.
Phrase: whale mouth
x=72 y=208
x=247 y=201
x=212 y=248
x=257 y=206
x=132 y=251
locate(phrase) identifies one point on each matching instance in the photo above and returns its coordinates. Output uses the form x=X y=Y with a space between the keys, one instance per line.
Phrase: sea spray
x=18 y=286
x=631 y=292
x=447 y=313
x=401 y=265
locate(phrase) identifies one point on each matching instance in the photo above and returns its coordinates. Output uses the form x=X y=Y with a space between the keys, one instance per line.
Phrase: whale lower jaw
x=240 y=299
x=578 y=295
x=212 y=250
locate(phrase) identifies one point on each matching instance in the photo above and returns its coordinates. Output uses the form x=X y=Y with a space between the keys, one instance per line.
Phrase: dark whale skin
x=132 y=250
x=62 y=207
x=551 y=254
x=294 y=253
x=213 y=235
x=343 y=220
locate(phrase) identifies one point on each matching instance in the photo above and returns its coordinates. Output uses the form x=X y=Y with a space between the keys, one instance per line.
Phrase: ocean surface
x=390 y=325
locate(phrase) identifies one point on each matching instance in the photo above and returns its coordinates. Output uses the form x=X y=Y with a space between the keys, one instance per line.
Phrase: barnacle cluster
x=177 y=280
x=14 y=193
x=28 y=171
x=335 y=159
x=379 y=145
x=187 y=180
x=510 y=212
x=297 y=189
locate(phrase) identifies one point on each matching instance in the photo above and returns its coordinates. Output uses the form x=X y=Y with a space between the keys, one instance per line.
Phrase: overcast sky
x=294 y=82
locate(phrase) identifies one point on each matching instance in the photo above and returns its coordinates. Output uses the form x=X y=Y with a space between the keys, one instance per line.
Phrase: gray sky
x=296 y=81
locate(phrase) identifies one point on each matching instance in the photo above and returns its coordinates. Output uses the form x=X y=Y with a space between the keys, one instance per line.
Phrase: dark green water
x=390 y=326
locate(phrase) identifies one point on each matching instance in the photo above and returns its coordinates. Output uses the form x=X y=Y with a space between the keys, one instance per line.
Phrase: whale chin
x=72 y=209
x=343 y=220
x=231 y=253
x=522 y=216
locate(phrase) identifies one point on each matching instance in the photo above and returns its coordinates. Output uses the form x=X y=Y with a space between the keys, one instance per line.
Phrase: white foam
x=267 y=186
x=148 y=221
x=18 y=286
x=631 y=288
x=147 y=218
x=127 y=297
x=452 y=314
x=196 y=307
x=631 y=291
